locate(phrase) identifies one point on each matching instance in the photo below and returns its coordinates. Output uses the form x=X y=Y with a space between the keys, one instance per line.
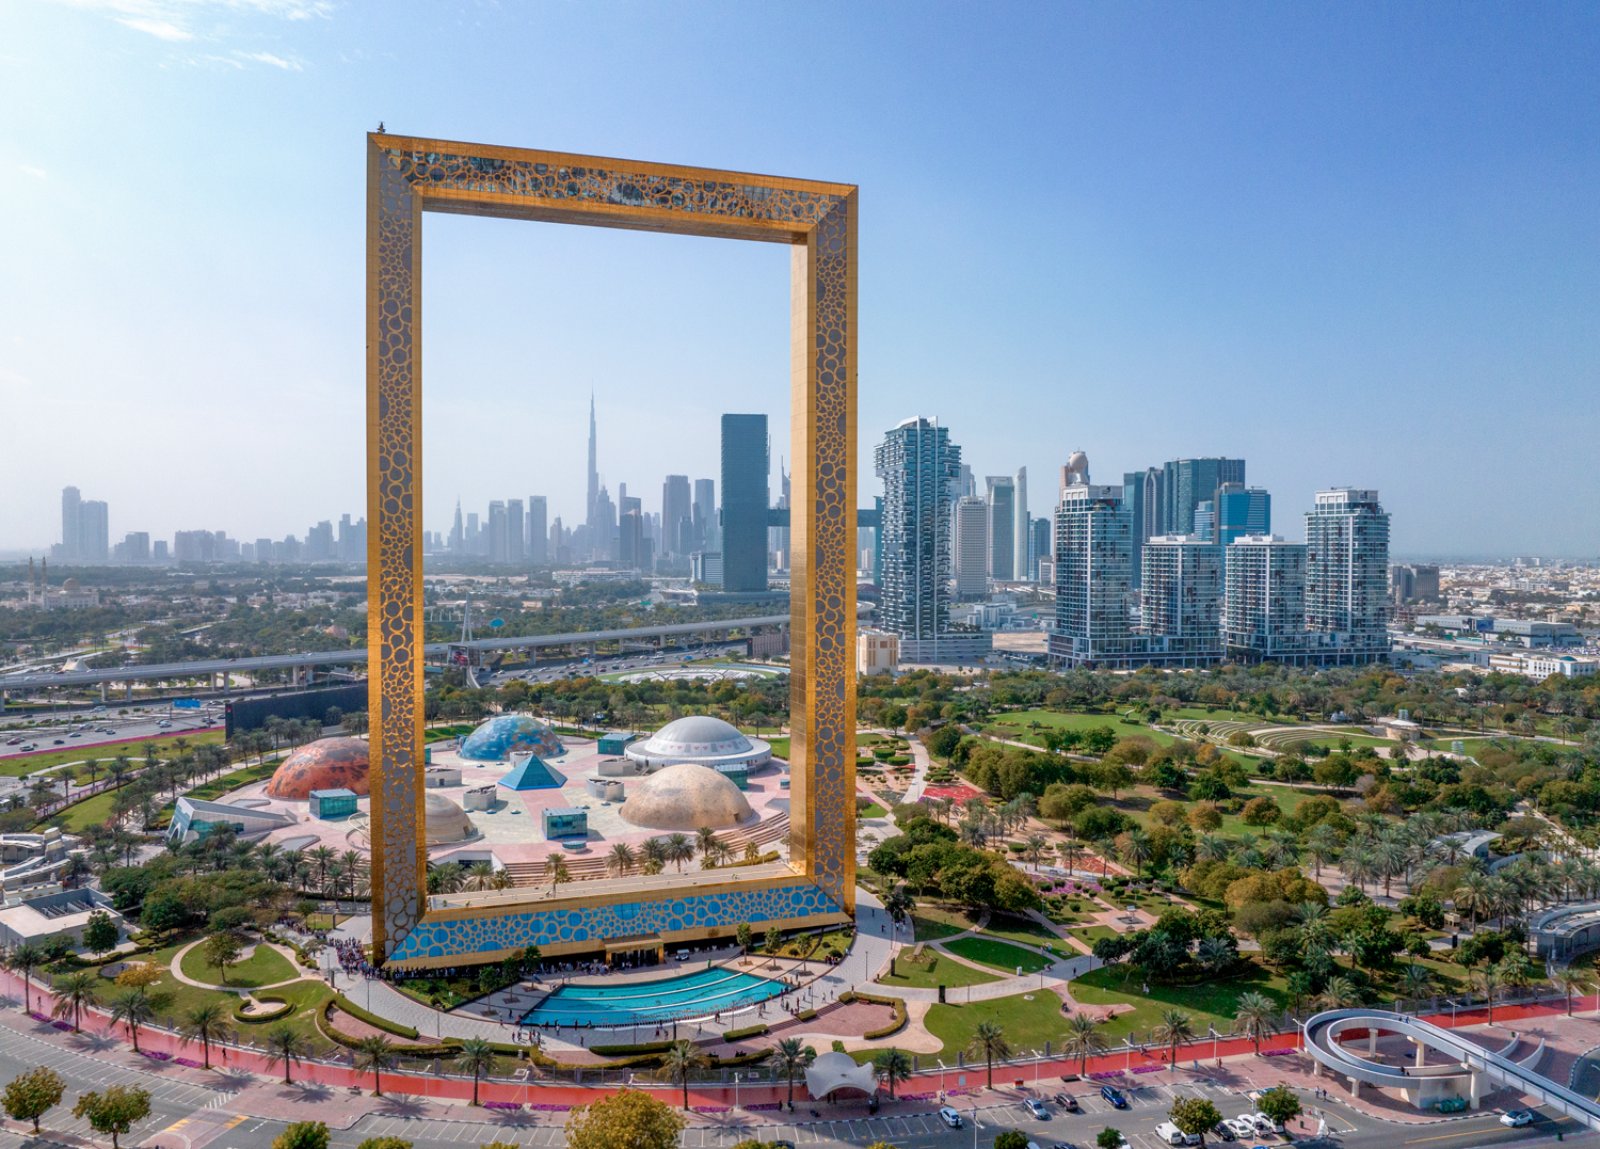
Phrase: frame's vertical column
x=394 y=547
x=822 y=553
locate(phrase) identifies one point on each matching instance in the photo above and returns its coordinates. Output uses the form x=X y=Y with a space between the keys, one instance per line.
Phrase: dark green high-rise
x=745 y=467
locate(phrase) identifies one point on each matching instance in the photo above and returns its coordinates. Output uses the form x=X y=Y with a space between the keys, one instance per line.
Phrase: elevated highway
x=1469 y=1070
x=39 y=680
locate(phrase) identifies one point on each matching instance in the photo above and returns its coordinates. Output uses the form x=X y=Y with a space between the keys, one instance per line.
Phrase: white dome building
x=444 y=822
x=686 y=796
x=703 y=740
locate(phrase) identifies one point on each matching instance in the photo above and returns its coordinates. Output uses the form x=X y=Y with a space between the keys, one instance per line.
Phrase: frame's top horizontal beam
x=486 y=179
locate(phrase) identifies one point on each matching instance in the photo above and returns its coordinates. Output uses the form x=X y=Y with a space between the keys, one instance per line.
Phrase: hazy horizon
x=1338 y=242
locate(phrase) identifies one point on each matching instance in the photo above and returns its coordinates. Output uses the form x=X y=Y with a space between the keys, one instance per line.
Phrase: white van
x=1172 y=1135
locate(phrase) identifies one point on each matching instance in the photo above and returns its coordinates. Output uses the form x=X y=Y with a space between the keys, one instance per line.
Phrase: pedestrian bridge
x=1470 y=1072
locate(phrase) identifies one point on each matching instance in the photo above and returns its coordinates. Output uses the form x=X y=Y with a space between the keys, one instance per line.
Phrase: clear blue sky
x=1356 y=244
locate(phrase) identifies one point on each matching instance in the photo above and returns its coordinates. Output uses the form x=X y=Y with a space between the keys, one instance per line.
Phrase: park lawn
x=104 y=752
x=1016 y=725
x=1088 y=935
x=933 y=922
x=935 y=969
x=1202 y=714
x=780 y=746
x=871 y=810
x=1019 y=929
x=263 y=967
x=1028 y=1020
x=1209 y=1003
x=78 y=817
x=998 y=955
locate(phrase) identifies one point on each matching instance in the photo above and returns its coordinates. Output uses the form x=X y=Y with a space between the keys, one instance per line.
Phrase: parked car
x=950 y=1117
x=1067 y=1102
x=1222 y=1131
x=1036 y=1107
x=1114 y=1096
x=1265 y=1124
x=1242 y=1127
x=1172 y=1135
x=1517 y=1118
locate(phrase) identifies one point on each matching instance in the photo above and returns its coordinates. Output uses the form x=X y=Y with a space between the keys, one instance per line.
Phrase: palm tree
x=899 y=905
x=1570 y=981
x=476 y=1056
x=73 y=992
x=1257 y=1016
x=790 y=1056
x=1175 y=1028
x=1360 y=865
x=655 y=855
x=680 y=848
x=206 y=1023
x=24 y=960
x=555 y=868
x=1339 y=993
x=706 y=841
x=322 y=857
x=896 y=1066
x=621 y=859
x=480 y=876
x=989 y=1042
x=1415 y=980
x=1475 y=896
x=1083 y=1040
x=374 y=1053
x=285 y=1045
x=1134 y=846
x=680 y=1061
x=137 y=1008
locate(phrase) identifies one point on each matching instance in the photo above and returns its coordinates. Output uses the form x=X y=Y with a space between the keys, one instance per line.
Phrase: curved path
x=1428 y=1083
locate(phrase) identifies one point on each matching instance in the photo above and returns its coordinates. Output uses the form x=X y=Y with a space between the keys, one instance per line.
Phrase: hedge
x=631 y=1050
x=345 y=1005
x=895 y=1003
x=747 y=1031
x=285 y=1008
x=807 y=1014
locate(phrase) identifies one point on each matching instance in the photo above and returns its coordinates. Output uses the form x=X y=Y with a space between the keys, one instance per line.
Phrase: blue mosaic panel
x=520 y=929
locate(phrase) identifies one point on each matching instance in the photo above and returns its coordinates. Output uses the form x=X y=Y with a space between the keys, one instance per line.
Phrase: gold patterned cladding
x=407 y=176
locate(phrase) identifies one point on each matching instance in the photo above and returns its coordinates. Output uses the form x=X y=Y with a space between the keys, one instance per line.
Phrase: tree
x=789 y=1056
x=385 y=1143
x=1257 y=1016
x=1176 y=1027
x=73 y=992
x=1195 y=1116
x=286 y=1045
x=896 y=1067
x=302 y=1135
x=24 y=960
x=678 y=1064
x=139 y=974
x=1010 y=1139
x=898 y=904
x=29 y=1096
x=1083 y=1040
x=476 y=1056
x=631 y=1117
x=100 y=933
x=206 y=1023
x=115 y=1111
x=1570 y=981
x=1108 y=1138
x=989 y=1042
x=1278 y=1104
x=773 y=940
x=376 y=1054
x=222 y=950
x=137 y=1008
x=745 y=936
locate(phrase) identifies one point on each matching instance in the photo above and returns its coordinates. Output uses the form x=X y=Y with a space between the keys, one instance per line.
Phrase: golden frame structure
x=407 y=176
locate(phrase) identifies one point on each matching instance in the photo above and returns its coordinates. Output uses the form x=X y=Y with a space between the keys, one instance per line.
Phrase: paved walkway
x=175 y=968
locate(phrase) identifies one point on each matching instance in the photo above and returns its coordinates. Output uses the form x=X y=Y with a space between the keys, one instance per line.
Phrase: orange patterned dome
x=326 y=764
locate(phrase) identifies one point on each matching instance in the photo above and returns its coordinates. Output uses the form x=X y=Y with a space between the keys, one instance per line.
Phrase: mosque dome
x=444 y=821
x=686 y=796
x=506 y=734
x=702 y=739
x=326 y=764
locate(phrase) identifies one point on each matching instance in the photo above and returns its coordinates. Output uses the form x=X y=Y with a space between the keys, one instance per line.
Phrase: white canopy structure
x=834 y=1071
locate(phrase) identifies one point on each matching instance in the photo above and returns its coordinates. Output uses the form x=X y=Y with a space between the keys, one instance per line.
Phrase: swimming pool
x=697 y=994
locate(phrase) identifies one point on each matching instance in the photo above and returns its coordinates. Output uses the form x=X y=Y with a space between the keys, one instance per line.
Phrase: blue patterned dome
x=506 y=734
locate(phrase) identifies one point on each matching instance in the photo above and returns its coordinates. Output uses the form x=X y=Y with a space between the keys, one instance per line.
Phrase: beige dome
x=445 y=822
x=686 y=797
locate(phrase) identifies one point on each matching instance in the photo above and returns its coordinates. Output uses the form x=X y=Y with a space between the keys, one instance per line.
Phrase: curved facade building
x=506 y=734
x=686 y=797
x=702 y=740
x=326 y=764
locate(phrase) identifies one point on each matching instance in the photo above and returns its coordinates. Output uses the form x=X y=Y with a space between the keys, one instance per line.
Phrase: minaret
x=594 y=472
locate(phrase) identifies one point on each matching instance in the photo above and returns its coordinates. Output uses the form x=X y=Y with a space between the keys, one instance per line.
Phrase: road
x=57 y=734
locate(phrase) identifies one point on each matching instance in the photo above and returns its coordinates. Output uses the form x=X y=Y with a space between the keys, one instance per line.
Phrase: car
x=13 y=742
x=1222 y=1131
x=1067 y=1102
x=1517 y=1118
x=1242 y=1127
x=1063 y=1145
x=1036 y=1107
x=950 y=1117
x=1263 y=1123
x=30 y=746
x=59 y=742
x=163 y=724
x=76 y=734
x=1172 y=1135
x=1114 y=1096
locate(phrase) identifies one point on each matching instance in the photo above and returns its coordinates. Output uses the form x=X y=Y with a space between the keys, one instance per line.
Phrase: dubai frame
x=407 y=176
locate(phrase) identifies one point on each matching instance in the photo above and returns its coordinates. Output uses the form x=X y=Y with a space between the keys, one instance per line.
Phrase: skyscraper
x=1142 y=493
x=94 y=531
x=1180 y=600
x=1347 y=575
x=1189 y=482
x=1094 y=581
x=705 y=514
x=538 y=530
x=458 y=533
x=920 y=467
x=630 y=533
x=677 y=517
x=1039 y=549
x=1242 y=511
x=1264 y=600
x=71 y=505
x=1019 y=530
x=971 y=548
x=499 y=552
x=1002 y=527
x=603 y=538
x=745 y=467
x=516 y=536
x=592 y=506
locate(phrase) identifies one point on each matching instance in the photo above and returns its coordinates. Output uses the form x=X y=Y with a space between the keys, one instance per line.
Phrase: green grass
x=133 y=748
x=1210 y=1003
x=1026 y=1024
x=1088 y=935
x=871 y=810
x=1016 y=725
x=780 y=746
x=934 y=970
x=1201 y=714
x=1018 y=929
x=997 y=954
x=263 y=967
x=932 y=922
x=93 y=811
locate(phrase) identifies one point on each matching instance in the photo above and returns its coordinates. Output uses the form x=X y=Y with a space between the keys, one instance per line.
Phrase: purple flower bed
x=186 y=1061
x=709 y=1109
x=1148 y=1068
x=543 y=1108
x=1278 y=1053
x=155 y=1055
x=1104 y=1073
x=764 y=1106
x=508 y=1106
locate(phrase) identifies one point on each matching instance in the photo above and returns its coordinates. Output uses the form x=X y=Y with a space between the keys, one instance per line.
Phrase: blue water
x=697 y=994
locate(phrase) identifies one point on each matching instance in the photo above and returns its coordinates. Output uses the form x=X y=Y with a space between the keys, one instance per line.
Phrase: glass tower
x=745 y=467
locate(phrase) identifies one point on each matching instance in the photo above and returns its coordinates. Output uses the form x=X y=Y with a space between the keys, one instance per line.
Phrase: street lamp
x=736 y=1090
